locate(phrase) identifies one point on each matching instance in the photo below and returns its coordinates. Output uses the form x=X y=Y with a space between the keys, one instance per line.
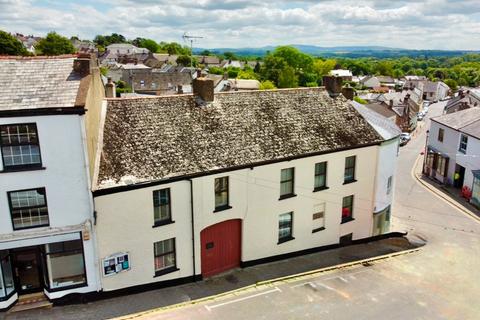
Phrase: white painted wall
x=64 y=178
x=387 y=164
x=470 y=160
x=451 y=142
x=125 y=219
x=449 y=146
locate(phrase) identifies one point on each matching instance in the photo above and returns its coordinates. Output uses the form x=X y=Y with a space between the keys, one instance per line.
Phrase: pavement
x=437 y=282
x=218 y=285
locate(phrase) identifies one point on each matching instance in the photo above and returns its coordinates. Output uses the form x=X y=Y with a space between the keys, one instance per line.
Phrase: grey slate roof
x=148 y=139
x=385 y=127
x=33 y=83
x=467 y=121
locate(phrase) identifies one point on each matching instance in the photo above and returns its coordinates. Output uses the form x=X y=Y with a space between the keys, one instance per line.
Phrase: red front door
x=221 y=247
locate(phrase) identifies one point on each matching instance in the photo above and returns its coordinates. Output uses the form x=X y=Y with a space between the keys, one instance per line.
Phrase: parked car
x=404 y=138
x=420 y=116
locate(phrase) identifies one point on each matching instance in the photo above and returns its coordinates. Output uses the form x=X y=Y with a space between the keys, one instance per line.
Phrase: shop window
x=7 y=285
x=65 y=264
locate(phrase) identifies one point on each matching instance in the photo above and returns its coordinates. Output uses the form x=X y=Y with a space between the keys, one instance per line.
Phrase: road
x=438 y=282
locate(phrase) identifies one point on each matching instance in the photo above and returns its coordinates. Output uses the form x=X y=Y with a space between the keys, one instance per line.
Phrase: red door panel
x=221 y=247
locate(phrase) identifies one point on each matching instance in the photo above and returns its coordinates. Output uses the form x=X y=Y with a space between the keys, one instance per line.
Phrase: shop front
x=436 y=165
x=49 y=267
x=381 y=221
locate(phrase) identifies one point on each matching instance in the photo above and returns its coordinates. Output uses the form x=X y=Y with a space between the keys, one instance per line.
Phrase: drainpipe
x=425 y=155
x=193 y=228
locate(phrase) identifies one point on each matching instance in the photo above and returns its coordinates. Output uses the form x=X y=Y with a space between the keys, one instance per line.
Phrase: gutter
x=188 y=176
x=193 y=228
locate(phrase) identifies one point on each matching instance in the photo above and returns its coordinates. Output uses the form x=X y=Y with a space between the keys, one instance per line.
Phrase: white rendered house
x=47 y=240
x=189 y=186
x=453 y=150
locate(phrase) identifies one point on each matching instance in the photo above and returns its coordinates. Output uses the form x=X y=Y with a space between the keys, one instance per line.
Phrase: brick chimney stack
x=203 y=88
x=110 y=91
x=82 y=64
x=333 y=85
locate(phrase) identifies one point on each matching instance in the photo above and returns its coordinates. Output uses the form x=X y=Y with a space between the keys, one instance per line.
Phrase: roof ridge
x=62 y=56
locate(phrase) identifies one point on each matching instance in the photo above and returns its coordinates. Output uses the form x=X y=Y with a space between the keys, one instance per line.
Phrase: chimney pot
x=110 y=91
x=333 y=85
x=203 y=88
x=82 y=66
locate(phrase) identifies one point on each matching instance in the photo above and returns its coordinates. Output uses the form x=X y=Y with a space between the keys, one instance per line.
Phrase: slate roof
x=381 y=109
x=385 y=127
x=466 y=121
x=34 y=83
x=158 y=138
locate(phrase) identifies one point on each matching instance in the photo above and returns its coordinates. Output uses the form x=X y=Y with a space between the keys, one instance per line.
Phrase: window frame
x=324 y=174
x=389 y=184
x=290 y=236
x=168 y=269
x=31 y=207
x=227 y=190
x=353 y=168
x=45 y=254
x=22 y=167
x=292 y=181
x=462 y=143
x=323 y=205
x=157 y=223
x=351 y=207
x=441 y=134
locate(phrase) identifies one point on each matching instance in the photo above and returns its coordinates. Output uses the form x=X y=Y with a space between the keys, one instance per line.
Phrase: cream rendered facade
x=125 y=218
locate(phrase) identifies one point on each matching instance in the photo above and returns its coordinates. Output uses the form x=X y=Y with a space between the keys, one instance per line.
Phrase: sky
x=409 y=24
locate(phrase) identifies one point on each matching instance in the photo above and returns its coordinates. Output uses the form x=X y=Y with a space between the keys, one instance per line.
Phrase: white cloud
x=429 y=24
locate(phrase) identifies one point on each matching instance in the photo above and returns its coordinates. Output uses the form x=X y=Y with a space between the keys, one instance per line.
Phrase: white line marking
x=301 y=284
x=209 y=308
x=343 y=279
x=326 y=287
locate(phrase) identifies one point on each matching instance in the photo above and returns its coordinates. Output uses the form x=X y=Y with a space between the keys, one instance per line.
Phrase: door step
x=31 y=301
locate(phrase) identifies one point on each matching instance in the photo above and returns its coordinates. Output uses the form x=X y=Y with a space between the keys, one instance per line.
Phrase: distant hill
x=345 y=51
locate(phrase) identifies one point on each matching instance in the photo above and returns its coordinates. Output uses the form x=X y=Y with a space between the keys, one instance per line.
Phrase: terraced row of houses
x=101 y=196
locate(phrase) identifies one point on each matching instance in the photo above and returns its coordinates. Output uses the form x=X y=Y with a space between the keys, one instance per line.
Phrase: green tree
x=287 y=78
x=186 y=60
x=452 y=84
x=107 y=40
x=54 y=44
x=10 y=45
x=174 y=48
x=150 y=44
x=359 y=100
x=267 y=85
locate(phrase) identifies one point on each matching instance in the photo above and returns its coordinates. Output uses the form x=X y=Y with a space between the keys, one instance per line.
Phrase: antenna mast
x=186 y=38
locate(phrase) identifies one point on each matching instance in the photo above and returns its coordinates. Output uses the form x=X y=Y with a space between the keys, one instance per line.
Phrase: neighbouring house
x=431 y=90
x=117 y=71
x=387 y=81
x=84 y=46
x=238 y=85
x=158 y=81
x=465 y=98
x=125 y=49
x=370 y=82
x=29 y=41
x=401 y=106
x=212 y=181
x=209 y=61
x=47 y=142
x=232 y=63
x=453 y=148
x=346 y=75
x=385 y=174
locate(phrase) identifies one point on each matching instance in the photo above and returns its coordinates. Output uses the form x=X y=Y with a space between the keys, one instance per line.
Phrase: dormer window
x=19 y=145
